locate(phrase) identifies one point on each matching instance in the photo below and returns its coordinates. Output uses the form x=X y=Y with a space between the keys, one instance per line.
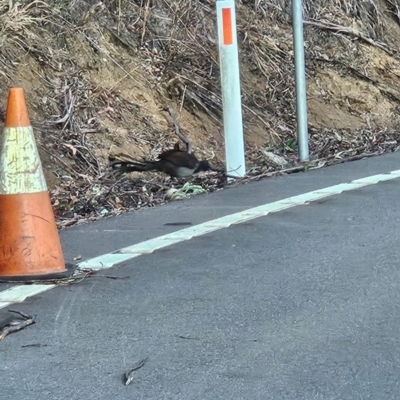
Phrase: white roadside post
x=230 y=85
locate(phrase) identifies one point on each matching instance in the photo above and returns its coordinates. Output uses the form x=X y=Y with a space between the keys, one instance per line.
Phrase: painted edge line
x=149 y=246
x=18 y=294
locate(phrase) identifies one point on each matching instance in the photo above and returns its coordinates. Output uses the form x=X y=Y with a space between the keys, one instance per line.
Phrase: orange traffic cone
x=30 y=247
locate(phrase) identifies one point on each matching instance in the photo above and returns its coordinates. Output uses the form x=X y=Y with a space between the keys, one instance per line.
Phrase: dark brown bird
x=175 y=162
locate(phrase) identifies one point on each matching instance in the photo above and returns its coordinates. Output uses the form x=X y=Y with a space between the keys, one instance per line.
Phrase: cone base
x=29 y=241
x=69 y=271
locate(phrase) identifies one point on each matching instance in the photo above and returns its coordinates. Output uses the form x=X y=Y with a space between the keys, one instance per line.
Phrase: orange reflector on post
x=30 y=247
x=227 y=26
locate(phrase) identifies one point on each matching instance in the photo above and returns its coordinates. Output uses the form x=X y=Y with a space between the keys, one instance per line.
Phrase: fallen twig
x=113 y=277
x=346 y=29
x=177 y=130
x=34 y=345
x=356 y=157
x=17 y=324
x=187 y=337
x=68 y=99
x=128 y=375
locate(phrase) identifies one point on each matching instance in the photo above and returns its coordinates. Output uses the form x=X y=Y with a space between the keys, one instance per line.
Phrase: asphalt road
x=301 y=304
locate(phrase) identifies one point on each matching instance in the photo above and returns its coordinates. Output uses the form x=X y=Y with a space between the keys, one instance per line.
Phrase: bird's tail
x=133 y=166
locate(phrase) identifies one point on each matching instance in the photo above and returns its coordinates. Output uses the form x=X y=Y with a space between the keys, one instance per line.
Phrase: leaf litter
x=97 y=76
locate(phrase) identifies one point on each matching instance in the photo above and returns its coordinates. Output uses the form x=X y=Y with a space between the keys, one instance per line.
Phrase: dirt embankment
x=96 y=75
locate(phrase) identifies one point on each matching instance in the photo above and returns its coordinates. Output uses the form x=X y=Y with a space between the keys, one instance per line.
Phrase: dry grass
x=168 y=49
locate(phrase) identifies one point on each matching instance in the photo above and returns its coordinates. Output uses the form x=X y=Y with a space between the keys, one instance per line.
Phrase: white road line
x=18 y=294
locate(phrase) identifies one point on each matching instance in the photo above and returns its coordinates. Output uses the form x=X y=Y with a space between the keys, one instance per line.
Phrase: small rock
x=170 y=192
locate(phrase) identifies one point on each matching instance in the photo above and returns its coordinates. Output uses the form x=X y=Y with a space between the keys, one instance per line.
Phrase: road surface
x=301 y=304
